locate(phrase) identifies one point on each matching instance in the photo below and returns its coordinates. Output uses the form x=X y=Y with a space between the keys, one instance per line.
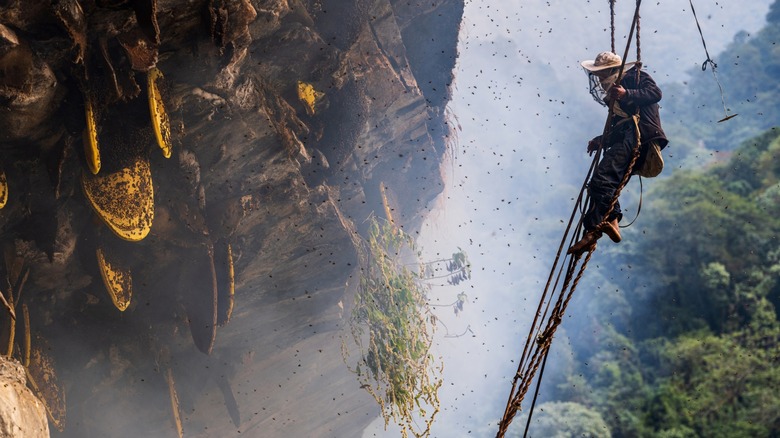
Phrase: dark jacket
x=646 y=96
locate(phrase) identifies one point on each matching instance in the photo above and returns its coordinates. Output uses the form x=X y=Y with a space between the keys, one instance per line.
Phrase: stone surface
x=288 y=190
x=22 y=415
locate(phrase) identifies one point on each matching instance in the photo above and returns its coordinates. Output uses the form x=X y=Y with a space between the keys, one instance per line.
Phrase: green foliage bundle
x=393 y=326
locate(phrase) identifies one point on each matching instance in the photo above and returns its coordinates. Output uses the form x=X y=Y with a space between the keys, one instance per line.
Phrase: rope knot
x=708 y=61
x=544 y=337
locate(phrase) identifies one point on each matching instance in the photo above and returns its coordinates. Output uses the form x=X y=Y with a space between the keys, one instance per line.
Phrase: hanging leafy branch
x=393 y=328
x=457 y=268
x=456 y=305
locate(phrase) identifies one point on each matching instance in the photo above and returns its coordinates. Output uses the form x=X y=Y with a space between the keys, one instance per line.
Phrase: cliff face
x=290 y=121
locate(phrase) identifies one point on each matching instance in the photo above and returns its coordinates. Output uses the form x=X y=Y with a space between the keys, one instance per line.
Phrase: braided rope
x=543 y=344
x=612 y=22
x=638 y=39
x=526 y=375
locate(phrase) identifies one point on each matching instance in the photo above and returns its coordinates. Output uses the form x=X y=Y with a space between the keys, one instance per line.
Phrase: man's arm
x=647 y=93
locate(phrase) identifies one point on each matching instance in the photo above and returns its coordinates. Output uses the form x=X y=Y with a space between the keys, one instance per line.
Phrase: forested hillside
x=676 y=333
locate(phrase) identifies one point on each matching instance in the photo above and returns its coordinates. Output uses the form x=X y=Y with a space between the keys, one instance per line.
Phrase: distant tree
x=565 y=420
x=695 y=221
x=719 y=386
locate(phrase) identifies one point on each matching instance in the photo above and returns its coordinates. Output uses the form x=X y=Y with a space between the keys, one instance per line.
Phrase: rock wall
x=21 y=413
x=290 y=120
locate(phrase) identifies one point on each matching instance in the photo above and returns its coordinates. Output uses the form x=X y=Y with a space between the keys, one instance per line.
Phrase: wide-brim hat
x=604 y=61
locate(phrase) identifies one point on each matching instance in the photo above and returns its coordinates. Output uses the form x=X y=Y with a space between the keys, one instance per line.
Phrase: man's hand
x=594 y=144
x=616 y=92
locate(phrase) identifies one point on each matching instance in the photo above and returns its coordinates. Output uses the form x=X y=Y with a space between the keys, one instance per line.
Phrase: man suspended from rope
x=638 y=94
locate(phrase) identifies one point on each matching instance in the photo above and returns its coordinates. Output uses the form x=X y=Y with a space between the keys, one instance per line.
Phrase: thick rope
x=536 y=396
x=638 y=39
x=541 y=343
x=543 y=299
x=542 y=346
x=634 y=24
x=612 y=22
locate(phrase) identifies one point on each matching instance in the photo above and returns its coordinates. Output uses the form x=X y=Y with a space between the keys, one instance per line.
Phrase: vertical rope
x=711 y=62
x=638 y=48
x=638 y=28
x=637 y=142
x=612 y=22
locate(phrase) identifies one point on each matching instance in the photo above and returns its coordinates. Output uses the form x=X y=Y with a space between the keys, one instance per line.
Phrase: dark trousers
x=607 y=177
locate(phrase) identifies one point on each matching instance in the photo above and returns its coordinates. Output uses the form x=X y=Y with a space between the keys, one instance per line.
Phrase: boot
x=611 y=229
x=587 y=243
